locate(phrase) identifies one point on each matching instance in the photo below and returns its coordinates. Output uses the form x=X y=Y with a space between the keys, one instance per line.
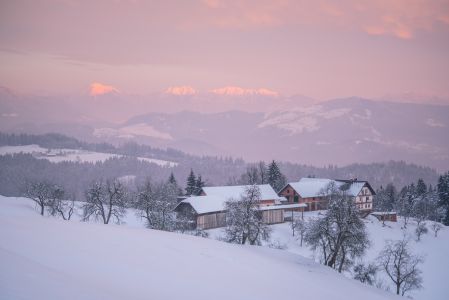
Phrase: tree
x=406 y=203
x=421 y=187
x=244 y=219
x=365 y=274
x=340 y=236
x=105 y=201
x=385 y=199
x=401 y=266
x=199 y=184
x=443 y=195
x=300 y=227
x=436 y=227
x=43 y=193
x=155 y=203
x=251 y=176
x=59 y=206
x=262 y=172
x=172 y=181
x=191 y=184
x=275 y=178
x=420 y=230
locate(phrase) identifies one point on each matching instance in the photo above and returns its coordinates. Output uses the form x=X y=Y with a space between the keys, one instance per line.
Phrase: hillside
x=44 y=258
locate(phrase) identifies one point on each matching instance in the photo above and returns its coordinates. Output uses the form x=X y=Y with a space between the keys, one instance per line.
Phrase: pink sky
x=322 y=49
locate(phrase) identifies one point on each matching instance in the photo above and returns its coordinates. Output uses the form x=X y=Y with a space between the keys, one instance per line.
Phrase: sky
x=321 y=49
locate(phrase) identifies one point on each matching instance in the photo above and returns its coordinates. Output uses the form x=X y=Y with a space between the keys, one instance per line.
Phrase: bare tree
x=60 y=206
x=340 y=235
x=435 y=226
x=42 y=193
x=105 y=201
x=401 y=266
x=155 y=203
x=300 y=227
x=244 y=219
x=365 y=274
x=420 y=230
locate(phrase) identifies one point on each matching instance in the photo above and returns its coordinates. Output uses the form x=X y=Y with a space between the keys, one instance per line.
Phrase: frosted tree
x=299 y=226
x=244 y=219
x=155 y=203
x=421 y=229
x=199 y=184
x=340 y=236
x=105 y=201
x=436 y=227
x=191 y=183
x=443 y=195
x=275 y=178
x=401 y=266
x=251 y=176
x=365 y=274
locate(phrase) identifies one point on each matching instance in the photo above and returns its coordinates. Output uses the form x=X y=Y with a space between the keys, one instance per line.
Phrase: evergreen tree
x=443 y=195
x=172 y=179
x=191 y=184
x=199 y=185
x=421 y=187
x=275 y=178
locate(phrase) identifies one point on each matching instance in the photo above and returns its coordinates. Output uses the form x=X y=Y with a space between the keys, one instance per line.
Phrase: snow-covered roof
x=205 y=204
x=236 y=191
x=217 y=196
x=316 y=187
x=283 y=206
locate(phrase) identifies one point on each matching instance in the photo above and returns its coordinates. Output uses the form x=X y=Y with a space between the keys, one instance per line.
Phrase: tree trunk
x=42 y=209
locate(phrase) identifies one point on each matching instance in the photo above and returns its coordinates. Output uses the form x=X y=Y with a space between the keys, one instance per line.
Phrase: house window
x=296 y=199
x=367 y=199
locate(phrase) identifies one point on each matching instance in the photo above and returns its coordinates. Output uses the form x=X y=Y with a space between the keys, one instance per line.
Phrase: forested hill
x=15 y=169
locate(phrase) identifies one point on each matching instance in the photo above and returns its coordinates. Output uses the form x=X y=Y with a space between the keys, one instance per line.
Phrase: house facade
x=314 y=192
x=209 y=209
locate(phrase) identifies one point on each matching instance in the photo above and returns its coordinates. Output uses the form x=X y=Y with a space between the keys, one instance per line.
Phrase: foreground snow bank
x=46 y=258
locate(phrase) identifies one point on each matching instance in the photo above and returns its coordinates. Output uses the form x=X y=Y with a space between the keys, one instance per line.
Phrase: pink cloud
x=399 y=18
x=238 y=91
x=181 y=90
x=101 y=89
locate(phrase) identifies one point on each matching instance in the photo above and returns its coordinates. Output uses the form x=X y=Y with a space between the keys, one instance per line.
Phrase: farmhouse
x=314 y=192
x=209 y=209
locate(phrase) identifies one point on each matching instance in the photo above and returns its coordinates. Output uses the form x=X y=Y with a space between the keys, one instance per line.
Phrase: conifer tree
x=191 y=184
x=443 y=195
x=275 y=178
x=199 y=185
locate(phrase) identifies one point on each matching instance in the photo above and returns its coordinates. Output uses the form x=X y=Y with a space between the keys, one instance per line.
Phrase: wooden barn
x=208 y=210
x=313 y=192
x=385 y=216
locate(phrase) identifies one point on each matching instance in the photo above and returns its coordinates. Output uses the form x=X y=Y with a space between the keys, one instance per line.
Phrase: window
x=296 y=199
x=367 y=199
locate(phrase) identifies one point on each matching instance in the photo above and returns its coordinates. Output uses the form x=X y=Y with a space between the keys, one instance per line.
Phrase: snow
x=236 y=191
x=60 y=155
x=435 y=267
x=315 y=187
x=206 y=204
x=48 y=258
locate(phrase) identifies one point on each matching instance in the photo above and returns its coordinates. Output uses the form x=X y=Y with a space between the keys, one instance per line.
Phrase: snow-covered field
x=48 y=258
x=133 y=262
x=60 y=155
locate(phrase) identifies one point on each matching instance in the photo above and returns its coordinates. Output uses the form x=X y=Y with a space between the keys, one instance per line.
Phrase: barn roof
x=236 y=191
x=205 y=204
x=217 y=196
x=316 y=187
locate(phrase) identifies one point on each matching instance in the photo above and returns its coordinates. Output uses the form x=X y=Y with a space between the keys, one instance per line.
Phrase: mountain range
x=255 y=127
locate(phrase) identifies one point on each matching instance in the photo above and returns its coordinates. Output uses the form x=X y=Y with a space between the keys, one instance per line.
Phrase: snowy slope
x=435 y=250
x=60 y=155
x=46 y=258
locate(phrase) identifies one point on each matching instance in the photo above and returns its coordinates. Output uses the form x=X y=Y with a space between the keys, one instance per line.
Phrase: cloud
x=399 y=18
x=101 y=89
x=238 y=91
x=180 y=90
